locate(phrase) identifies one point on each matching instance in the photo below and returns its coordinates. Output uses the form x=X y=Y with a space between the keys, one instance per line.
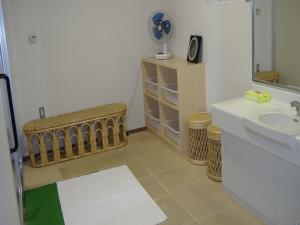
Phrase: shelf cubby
x=168 y=113
x=150 y=79
x=152 y=113
x=167 y=75
x=149 y=70
x=181 y=92
x=170 y=123
x=169 y=93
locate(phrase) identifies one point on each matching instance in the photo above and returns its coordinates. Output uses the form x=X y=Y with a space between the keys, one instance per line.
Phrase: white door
x=9 y=211
x=263 y=31
x=11 y=191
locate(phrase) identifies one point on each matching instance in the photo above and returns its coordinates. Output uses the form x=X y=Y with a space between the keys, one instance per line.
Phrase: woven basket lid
x=199 y=120
x=214 y=132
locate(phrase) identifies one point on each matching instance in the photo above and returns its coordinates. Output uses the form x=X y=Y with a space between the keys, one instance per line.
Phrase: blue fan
x=160 y=29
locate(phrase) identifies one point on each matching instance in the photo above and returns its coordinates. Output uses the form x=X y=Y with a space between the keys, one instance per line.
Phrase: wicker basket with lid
x=214 y=168
x=198 y=149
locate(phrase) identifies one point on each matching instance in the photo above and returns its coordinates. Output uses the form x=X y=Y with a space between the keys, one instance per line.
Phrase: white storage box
x=171 y=128
x=153 y=119
x=169 y=92
x=152 y=85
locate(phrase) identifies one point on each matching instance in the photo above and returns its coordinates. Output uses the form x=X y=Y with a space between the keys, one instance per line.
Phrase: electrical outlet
x=258 y=11
x=42 y=112
x=32 y=39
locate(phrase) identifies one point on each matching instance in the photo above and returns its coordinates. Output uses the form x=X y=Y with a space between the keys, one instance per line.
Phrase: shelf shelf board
x=152 y=129
x=169 y=105
x=172 y=63
x=151 y=96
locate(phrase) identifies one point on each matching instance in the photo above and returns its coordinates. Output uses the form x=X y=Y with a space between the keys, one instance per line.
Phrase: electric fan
x=160 y=29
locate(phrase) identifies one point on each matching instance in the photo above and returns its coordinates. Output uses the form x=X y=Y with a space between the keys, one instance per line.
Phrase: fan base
x=163 y=56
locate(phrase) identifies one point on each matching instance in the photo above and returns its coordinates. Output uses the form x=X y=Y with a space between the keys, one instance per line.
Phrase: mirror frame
x=265 y=83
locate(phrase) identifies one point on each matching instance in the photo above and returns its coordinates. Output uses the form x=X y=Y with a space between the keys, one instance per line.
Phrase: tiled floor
x=182 y=190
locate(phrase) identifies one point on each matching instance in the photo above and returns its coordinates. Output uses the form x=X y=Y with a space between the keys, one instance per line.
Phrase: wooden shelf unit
x=190 y=81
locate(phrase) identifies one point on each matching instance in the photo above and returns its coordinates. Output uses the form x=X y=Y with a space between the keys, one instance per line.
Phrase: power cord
x=134 y=93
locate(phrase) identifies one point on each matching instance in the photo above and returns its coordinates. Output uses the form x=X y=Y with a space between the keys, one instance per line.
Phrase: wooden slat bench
x=77 y=134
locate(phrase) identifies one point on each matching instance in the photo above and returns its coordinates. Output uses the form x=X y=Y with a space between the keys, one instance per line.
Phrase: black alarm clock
x=195 y=49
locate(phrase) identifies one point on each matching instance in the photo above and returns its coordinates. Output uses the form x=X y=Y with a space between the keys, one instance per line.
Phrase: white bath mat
x=109 y=197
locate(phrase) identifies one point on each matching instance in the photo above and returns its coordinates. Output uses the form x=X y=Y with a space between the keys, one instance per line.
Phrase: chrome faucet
x=296 y=104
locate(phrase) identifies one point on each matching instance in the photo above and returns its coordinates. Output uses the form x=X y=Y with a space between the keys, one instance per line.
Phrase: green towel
x=42 y=206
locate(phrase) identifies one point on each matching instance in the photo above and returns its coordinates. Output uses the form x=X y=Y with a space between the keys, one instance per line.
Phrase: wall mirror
x=276 y=43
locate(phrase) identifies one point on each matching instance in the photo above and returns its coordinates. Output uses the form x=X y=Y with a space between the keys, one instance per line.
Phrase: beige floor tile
x=112 y=158
x=142 y=137
x=233 y=216
x=138 y=169
x=154 y=189
x=76 y=168
x=176 y=214
x=87 y=165
x=163 y=161
x=141 y=152
x=205 y=200
x=183 y=177
x=36 y=177
x=147 y=148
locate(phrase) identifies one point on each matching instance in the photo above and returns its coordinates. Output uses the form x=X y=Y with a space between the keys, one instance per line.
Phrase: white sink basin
x=281 y=121
x=277 y=126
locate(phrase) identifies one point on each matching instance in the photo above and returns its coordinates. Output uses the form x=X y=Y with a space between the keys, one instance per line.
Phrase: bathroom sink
x=281 y=121
x=272 y=126
x=277 y=126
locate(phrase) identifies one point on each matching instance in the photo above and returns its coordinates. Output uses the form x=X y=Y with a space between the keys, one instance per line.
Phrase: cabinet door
x=288 y=204
x=249 y=173
x=9 y=213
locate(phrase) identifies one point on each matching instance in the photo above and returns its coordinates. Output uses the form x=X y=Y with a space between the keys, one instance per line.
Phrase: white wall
x=87 y=54
x=227 y=43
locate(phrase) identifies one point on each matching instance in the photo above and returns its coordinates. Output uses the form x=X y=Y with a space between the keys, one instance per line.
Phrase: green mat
x=42 y=206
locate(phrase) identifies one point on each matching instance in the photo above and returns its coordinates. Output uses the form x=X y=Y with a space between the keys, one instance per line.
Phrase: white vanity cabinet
x=288 y=193
x=249 y=176
x=255 y=172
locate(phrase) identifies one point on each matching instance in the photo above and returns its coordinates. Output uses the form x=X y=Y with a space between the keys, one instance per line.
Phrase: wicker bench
x=77 y=134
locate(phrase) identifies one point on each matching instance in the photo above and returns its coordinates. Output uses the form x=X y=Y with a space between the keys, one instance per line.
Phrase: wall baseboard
x=137 y=130
x=129 y=132
x=243 y=204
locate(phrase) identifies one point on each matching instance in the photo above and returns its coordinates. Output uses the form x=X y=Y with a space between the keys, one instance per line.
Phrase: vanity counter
x=263 y=175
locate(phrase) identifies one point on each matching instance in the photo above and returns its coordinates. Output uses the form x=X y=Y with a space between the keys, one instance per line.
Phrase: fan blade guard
x=167 y=26
x=156 y=33
x=157 y=17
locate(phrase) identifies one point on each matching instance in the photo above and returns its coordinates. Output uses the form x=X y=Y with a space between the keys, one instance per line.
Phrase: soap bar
x=258 y=96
